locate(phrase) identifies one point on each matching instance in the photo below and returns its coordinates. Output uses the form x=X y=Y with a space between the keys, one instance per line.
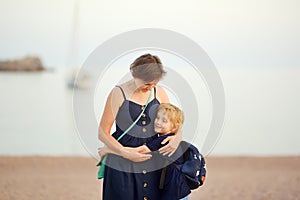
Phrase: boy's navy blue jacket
x=155 y=144
x=174 y=185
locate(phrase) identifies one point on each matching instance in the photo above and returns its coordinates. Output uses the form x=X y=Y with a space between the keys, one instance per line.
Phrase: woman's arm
x=140 y=149
x=113 y=102
x=112 y=105
x=102 y=151
x=171 y=147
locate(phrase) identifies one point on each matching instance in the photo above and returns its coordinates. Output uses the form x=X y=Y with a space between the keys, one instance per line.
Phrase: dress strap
x=154 y=92
x=121 y=91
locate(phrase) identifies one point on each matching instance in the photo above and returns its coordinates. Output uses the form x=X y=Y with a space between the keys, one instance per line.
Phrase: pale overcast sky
x=234 y=33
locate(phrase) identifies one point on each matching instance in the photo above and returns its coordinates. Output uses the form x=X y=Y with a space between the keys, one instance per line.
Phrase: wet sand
x=260 y=178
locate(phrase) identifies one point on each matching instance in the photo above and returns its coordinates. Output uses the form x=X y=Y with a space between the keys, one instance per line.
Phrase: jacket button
x=144 y=171
x=144 y=130
x=145 y=198
x=142 y=107
x=145 y=185
x=143 y=115
x=143 y=122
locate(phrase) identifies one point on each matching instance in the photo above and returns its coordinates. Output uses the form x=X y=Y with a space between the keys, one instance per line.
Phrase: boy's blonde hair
x=174 y=114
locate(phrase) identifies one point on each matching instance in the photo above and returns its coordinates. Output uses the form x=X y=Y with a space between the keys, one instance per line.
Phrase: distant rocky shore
x=24 y=64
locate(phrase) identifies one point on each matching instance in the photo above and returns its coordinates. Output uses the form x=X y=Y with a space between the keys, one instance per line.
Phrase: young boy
x=167 y=122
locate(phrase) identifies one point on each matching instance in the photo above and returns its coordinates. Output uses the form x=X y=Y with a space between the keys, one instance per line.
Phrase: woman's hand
x=135 y=156
x=127 y=152
x=171 y=147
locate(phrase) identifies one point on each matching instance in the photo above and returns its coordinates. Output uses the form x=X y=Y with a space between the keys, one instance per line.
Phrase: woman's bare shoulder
x=116 y=97
x=161 y=95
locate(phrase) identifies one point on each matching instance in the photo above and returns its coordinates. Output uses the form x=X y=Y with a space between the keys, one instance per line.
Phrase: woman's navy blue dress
x=127 y=180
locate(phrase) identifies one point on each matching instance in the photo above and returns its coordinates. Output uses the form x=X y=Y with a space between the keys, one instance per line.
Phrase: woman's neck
x=134 y=93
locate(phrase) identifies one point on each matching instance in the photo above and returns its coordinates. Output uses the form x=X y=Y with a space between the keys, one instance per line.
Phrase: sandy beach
x=260 y=178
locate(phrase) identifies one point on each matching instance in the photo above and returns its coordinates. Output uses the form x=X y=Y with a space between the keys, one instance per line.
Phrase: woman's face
x=143 y=85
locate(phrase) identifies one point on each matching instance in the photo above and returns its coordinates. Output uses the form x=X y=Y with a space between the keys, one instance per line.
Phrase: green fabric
x=102 y=167
x=103 y=160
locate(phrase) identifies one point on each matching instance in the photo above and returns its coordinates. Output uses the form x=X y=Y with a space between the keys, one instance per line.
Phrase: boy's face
x=162 y=124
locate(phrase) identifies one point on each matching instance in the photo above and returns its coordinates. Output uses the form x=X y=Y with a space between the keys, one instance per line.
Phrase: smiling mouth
x=157 y=126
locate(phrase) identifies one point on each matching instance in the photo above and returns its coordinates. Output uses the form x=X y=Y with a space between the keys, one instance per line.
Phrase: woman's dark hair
x=147 y=68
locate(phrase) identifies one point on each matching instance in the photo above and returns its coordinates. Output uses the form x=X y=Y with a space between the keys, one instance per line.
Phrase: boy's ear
x=175 y=128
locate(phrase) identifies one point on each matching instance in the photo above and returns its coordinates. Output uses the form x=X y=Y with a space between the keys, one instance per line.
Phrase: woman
x=131 y=175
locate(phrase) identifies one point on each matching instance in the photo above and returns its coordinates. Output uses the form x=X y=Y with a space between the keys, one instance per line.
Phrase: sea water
x=262 y=114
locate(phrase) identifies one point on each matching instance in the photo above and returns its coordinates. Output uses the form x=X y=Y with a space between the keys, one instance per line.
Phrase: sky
x=233 y=33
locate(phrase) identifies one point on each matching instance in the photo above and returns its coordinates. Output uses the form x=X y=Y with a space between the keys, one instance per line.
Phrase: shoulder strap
x=155 y=92
x=121 y=91
x=162 y=178
x=187 y=154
